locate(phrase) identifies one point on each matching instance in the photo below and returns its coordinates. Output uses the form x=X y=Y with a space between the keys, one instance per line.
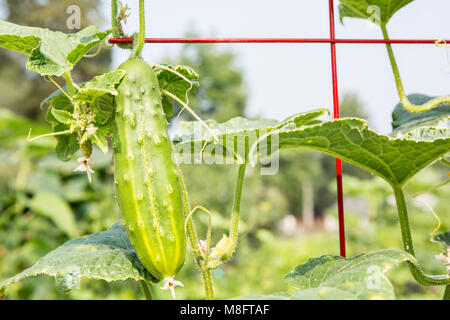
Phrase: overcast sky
x=284 y=79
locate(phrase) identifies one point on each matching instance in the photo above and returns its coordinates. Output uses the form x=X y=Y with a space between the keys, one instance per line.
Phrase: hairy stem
x=433 y=103
x=69 y=84
x=137 y=47
x=114 y=18
x=194 y=243
x=447 y=293
x=146 y=289
x=416 y=271
x=208 y=283
x=234 y=226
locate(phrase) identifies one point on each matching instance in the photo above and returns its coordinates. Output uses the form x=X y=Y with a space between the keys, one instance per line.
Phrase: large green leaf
x=57 y=209
x=50 y=52
x=404 y=121
x=365 y=9
x=192 y=138
x=331 y=277
x=395 y=160
x=106 y=255
x=360 y=277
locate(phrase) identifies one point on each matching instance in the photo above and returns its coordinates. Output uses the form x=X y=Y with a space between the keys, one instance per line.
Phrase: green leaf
x=167 y=106
x=192 y=137
x=54 y=207
x=100 y=137
x=61 y=103
x=360 y=277
x=175 y=84
x=62 y=116
x=395 y=160
x=103 y=109
x=366 y=9
x=50 y=52
x=106 y=255
x=66 y=145
x=332 y=277
x=404 y=121
x=99 y=86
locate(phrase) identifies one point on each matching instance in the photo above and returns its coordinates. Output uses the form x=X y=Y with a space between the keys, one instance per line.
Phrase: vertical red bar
x=340 y=197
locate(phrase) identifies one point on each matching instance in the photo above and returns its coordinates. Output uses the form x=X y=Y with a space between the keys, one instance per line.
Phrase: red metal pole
x=340 y=197
x=277 y=40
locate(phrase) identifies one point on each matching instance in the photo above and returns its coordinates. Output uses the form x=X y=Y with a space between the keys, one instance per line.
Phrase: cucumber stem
x=146 y=289
x=416 y=270
x=114 y=18
x=208 y=283
x=234 y=226
x=431 y=104
x=138 y=43
x=194 y=243
x=69 y=84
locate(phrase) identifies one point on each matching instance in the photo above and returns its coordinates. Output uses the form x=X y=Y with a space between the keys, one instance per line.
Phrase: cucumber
x=146 y=178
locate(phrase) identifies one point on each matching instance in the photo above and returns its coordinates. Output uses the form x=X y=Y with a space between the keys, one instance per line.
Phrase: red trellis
x=332 y=41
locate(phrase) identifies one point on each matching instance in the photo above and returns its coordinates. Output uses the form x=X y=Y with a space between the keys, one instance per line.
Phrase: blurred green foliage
x=43 y=203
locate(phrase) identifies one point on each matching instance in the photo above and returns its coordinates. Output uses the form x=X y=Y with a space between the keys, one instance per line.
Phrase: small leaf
x=62 y=116
x=58 y=102
x=99 y=86
x=54 y=207
x=106 y=255
x=175 y=84
x=374 y=10
x=404 y=121
x=334 y=277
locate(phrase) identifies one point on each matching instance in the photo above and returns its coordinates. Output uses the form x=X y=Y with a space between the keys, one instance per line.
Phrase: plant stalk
x=234 y=226
x=115 y=32
x=208 y=283
x=137 y=47
x=192 y=237
x=69 y=84
x=146 y=289
x=416 y=271
x=431 y=104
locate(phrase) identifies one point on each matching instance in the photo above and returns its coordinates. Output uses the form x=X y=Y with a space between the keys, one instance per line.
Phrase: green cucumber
x=146 y=178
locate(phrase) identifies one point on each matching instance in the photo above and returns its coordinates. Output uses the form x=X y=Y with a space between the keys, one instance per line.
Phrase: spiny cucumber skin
x=146 y=179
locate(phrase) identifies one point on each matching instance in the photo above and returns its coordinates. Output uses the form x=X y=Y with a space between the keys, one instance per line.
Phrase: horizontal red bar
x=276 y=40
